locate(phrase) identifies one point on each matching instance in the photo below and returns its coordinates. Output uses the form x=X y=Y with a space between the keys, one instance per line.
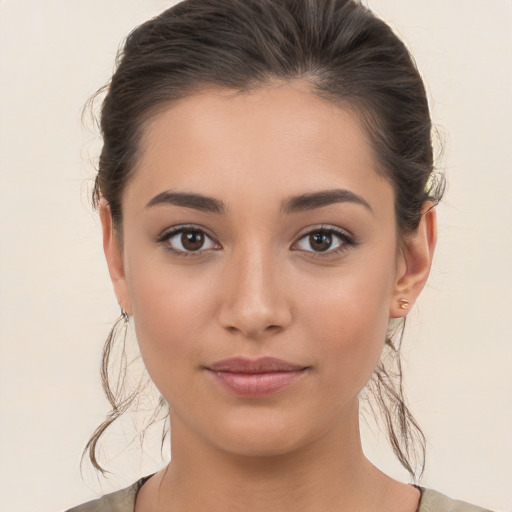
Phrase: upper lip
x=260 y=365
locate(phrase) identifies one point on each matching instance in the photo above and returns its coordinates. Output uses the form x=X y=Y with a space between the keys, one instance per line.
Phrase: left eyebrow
x=322 y=198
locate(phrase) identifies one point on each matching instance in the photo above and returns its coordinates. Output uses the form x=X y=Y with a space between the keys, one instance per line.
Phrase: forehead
x=273 y=141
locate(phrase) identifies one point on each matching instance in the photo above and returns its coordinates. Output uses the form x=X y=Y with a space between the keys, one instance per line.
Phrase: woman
x=267 y=197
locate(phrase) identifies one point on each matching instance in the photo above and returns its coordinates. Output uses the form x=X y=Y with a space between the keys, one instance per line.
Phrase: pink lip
x=255 y=378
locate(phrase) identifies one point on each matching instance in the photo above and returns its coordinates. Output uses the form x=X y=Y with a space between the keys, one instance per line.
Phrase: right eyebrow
x=188 y=200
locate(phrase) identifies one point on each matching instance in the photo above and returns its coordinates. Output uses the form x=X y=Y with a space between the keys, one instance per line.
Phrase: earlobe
x=114 y=257
x=417 y=256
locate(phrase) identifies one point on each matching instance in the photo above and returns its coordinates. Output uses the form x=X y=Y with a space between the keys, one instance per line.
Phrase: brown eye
x=192 y=240
x=320 y=241
x=328 y=240
x=186 y=241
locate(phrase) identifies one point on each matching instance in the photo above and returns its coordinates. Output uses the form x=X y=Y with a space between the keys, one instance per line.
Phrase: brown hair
x=345 y=53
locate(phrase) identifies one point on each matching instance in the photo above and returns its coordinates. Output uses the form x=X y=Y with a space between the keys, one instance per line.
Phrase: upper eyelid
x=173 y=230
x=340 y=233
x=326 y=228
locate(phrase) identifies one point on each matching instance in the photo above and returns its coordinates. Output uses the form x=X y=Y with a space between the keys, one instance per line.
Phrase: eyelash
x=346 y=241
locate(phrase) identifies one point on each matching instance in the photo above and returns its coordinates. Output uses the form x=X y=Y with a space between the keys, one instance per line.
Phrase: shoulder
x=433 y=501
x=119 y=501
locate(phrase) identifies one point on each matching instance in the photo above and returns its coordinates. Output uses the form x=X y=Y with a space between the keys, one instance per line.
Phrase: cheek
x=170 y=310
x=350 y=325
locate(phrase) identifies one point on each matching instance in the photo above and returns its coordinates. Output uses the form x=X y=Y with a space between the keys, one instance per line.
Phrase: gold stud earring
x=404 y=303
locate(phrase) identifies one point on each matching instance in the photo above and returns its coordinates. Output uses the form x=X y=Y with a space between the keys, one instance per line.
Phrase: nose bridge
x=254 y=299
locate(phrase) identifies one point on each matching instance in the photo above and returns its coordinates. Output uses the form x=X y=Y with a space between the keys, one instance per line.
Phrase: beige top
x=124 y=501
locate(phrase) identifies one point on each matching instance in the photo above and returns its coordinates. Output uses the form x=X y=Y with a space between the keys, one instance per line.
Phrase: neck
x=329 y=474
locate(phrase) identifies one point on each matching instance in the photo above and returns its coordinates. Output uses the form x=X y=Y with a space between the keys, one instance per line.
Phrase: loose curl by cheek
x=121 y=394
x=346 y=55
x=384 y=396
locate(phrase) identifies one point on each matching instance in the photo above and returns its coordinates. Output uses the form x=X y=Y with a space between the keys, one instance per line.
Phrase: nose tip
x=254 y=311
x=252 y=322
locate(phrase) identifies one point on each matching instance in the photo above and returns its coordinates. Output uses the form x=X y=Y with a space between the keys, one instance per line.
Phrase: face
x=260 y=264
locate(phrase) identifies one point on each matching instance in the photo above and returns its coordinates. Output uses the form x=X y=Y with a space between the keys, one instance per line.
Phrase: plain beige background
x=56 y=302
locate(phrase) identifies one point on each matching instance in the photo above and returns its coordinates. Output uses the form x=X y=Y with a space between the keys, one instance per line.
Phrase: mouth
x=256 y=378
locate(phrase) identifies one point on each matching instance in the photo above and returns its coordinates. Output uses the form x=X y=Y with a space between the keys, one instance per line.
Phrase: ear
x=114 y=256
x=415 y=262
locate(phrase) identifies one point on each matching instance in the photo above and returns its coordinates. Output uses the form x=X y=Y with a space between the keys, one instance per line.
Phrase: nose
x=254 y=302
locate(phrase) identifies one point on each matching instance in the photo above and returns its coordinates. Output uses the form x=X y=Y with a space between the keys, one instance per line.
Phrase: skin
x=260 y=287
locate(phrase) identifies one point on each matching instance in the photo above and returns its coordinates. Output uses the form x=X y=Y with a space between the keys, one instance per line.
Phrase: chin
x=263 y=434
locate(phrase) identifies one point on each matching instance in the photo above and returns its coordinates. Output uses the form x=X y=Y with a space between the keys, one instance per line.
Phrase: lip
x=255 y=378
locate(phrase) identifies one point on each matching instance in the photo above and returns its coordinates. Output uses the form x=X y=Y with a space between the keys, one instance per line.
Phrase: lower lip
x=256 y=385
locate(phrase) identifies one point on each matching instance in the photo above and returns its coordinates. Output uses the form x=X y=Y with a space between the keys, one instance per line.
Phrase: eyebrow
x=311 y=201
x=188 y=200
x=301 y=203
